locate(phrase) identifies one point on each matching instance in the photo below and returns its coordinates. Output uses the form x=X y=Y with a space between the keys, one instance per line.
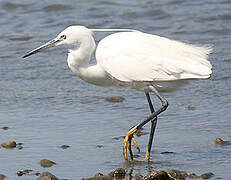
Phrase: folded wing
x=137 y=56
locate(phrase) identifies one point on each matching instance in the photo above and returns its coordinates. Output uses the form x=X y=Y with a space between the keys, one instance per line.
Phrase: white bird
x=133 y=59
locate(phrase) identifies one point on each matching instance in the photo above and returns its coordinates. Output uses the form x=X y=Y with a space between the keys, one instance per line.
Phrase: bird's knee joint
x=165 y=104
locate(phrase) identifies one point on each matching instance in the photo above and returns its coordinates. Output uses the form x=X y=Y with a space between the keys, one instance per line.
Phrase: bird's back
x=137 y=56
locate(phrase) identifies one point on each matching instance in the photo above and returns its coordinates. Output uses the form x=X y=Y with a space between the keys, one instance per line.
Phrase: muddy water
x=45 y=106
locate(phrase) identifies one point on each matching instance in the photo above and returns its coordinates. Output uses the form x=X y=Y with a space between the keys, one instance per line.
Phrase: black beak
x=49 y=44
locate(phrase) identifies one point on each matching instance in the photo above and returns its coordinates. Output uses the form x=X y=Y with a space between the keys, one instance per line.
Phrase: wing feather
x=137 y=56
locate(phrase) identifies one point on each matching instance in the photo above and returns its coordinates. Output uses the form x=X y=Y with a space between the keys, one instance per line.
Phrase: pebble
x=9 y=144
x=99 y=146
x=119 y=173
x=37 y=174
x=221 y=142
x=47 y=176
x=20 y=173
x=115 y=99
x=193 y=176
x=2 y=176
x=156 y=175
x=20 y=147
x=191 y=107
x=26 y=171
x=98 y=176
x=64 y=146
x=167 y=152
x=139 y=177
x=175 y=174
x=46 y=163
x=207 y=175
x=5 y=128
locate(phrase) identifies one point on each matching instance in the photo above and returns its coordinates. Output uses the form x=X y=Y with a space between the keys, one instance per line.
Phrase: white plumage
x=137 y=56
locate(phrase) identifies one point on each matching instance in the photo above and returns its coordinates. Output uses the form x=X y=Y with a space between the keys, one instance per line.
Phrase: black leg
x=149 y=118
x=153 y=127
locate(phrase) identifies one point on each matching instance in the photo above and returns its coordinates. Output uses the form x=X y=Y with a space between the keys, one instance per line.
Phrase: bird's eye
x=63 y=37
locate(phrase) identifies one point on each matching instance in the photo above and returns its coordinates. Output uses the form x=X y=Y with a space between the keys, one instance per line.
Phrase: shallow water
x=46 y=106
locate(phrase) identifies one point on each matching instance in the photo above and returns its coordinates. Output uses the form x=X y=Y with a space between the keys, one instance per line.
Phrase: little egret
x=133 y=59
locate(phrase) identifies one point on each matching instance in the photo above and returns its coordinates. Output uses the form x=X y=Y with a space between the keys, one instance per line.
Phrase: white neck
x=78 y=61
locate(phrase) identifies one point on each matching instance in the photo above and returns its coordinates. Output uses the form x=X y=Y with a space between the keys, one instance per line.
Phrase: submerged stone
x=175 y=174
x=9 y=144
x=139 y=177
x=115 y=99
x=157 y=175
x=191 y=108
x=2 y=176
x=193 y=175
x=20 y=147
x=98 y=176
x=207 y=175
x=64 y=146
x=46 y=163
x=5 y=128
x=221 y=142
x=47 y=176
x=22 y=172
x=119 y=173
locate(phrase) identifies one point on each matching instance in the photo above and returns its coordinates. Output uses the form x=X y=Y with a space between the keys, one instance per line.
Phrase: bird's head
x=73 y=35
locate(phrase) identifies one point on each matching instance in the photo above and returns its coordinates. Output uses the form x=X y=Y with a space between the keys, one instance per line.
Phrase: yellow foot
x=127 y=142
x=136 y=145
x=147 y=157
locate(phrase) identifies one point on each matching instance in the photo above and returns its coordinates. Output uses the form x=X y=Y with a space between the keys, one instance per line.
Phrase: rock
x=2 y=176
x=9 y=144
x=221 y=142
x=218 y=140
x=185 y=174
x=119 y=173
x=139 y=177
x=47 y=176
x=99 y=174
x=115 y=99
x=46 y=163
x=193 y=175
x=20 y=173
x=20 y=147
x=26 y=171
x=191 y=107
x=157 y=175
x=167 y=152
x=98 y=178
x=207 y=175
x=99 y=146
x=175 y=174
x=64 y=146
x=5 y=128
x=37 y=174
